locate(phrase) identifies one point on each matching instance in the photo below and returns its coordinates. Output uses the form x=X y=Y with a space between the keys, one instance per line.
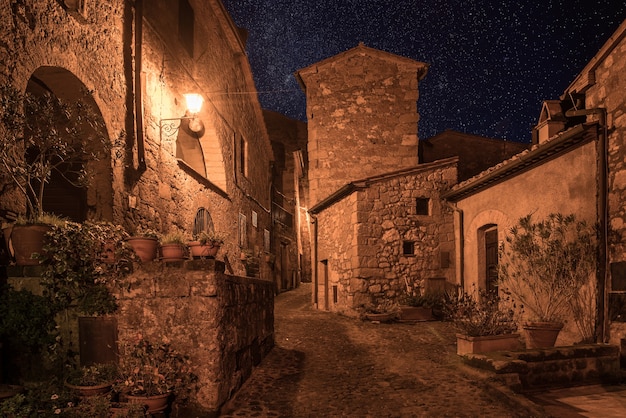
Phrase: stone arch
x=475 y=245
x=96 y=200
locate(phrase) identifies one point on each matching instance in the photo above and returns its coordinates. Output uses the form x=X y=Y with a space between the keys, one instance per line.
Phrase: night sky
x=492 y=63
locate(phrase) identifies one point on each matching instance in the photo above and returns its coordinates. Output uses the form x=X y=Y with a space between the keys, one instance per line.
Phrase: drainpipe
x=459 y=247
x=602 y=208
x=315 y=278
x=141 y=158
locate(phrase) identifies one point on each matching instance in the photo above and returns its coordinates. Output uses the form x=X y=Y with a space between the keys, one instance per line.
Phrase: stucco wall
x=565 y=185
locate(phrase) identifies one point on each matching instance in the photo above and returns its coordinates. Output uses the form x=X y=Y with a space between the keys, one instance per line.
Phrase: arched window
x=488 y=258
x=202 y=222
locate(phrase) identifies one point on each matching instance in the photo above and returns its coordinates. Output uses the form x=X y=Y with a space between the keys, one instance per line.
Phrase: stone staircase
x=537 y=369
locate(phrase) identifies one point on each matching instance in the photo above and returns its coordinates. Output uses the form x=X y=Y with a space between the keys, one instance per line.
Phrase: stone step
x=537 y=369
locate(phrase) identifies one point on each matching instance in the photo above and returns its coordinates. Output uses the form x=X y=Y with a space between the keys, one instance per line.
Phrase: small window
x=186 y=25
x=422 y=206
x=243 y=231
x=243 y=156
x=408 y=248
x=202 y=222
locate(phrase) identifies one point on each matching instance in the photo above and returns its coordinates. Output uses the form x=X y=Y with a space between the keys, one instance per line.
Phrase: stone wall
x=604 y=85
x=362 y=115
x=224 y=323
x=361 y=238
x=154 y=188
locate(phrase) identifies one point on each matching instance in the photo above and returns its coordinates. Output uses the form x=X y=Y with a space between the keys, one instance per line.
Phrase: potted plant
x=145 y=243
x=484 y=321
x=206 y=244
x=28 y=235
x=544 y=264
x=97 y=379
x=384 y=311
x=416 y=305
x=154 y=372
x=173 y=246
x=41 y=136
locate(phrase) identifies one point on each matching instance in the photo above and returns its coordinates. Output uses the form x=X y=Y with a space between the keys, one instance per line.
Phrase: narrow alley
x=326 y=365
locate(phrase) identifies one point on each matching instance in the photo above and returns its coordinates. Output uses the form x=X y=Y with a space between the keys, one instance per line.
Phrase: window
x=408 y=248
x=243 y=231
x=243 y=156
x=422 y=206
x=186 y=25
x=202 y=222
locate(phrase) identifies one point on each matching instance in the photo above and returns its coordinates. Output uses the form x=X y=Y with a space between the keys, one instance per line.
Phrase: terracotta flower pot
x=87 y=391
x=542 y=334
x=27 y=240
x=172 y=252
x=208 y=250
x=155 y=403
x=144 y=247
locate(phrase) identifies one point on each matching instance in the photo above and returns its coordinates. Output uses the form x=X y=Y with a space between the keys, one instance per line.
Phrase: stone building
x=575 y=165
x=378 y=224
x=169 y=168
x=476 y=153
x=161 y=173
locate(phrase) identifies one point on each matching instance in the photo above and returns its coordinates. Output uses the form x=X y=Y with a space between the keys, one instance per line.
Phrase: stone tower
x=362 y=117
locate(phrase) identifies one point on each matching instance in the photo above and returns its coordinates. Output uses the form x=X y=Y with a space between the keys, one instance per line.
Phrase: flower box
x=486 y=344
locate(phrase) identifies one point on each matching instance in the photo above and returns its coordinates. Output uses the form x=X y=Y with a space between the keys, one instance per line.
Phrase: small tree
x=43 y=134
x=546 y=263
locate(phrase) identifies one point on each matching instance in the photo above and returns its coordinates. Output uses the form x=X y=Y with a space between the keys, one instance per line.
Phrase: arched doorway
x=79 y=189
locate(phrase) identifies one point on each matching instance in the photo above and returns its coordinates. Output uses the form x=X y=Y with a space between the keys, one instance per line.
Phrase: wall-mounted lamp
x=169 y=127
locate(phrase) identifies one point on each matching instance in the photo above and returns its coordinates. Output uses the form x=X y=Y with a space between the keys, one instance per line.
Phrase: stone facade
x=137 y=74
x=224 y=323
x=372 y=240
x=362 y=116
x=603 y=85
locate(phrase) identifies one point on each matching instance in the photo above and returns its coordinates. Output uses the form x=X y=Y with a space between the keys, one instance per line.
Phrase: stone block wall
x=224 y=323
x=362 y=115
x=362 y=238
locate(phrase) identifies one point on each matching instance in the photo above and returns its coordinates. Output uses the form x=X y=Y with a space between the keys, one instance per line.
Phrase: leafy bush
x=481 y=313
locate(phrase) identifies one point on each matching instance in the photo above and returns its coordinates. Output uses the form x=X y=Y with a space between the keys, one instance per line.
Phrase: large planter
x=144 y=247
x=208 y=250
x=155 y=403
x=381 y=317
x=88 y=391
x=415 y=313
x=542 y=334
x=27 y=240
x=172 y=252
x=486 y=344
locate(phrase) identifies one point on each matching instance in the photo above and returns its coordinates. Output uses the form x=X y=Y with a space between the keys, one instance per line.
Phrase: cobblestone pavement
x=326 y=365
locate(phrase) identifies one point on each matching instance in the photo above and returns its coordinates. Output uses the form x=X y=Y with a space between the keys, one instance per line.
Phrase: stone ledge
x=550 y=367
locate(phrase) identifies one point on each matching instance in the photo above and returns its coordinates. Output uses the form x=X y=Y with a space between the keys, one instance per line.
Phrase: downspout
x=141 y=159
x=459 y=247
x=314 y=261
x=602 y=208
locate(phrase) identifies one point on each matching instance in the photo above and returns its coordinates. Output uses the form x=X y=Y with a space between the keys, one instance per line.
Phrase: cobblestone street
x=326 y=365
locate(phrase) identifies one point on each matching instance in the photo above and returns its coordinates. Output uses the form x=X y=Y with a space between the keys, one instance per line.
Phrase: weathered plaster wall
x=225 y=324
x=362 y=115
x=551 y=187
x=362 y=236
